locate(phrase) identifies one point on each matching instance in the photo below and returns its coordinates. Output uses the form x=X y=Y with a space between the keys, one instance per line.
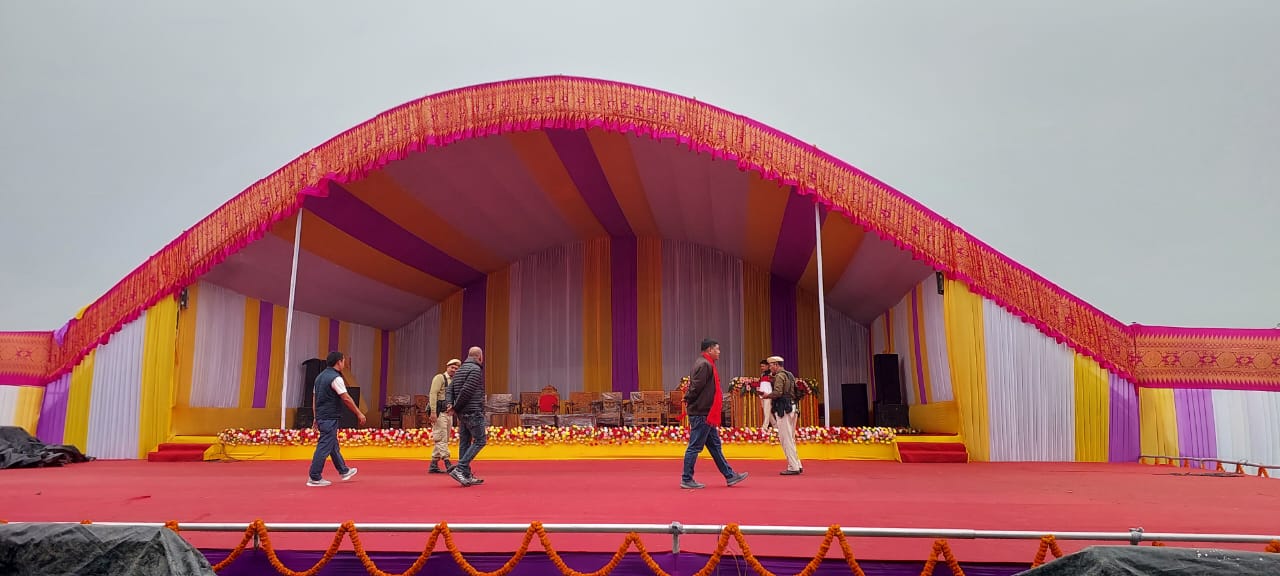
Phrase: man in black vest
x=331 y=394
x=466 y=399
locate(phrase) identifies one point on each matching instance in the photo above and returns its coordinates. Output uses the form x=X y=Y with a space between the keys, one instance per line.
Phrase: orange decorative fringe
x=1048 y=544
x=576 y=103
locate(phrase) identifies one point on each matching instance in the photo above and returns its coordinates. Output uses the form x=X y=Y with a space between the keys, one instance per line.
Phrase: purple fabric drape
x=623 y=260
x=333 y=339
x=474 y=308
x=262 y=370
x=53 y=410
x=1197 y=436
x=1124 y=440
x=538 y=564
x=385 y=362
x=782 y=323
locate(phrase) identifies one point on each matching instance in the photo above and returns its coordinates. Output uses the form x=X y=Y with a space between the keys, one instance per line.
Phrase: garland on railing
x=941 y=551
x=551 y=435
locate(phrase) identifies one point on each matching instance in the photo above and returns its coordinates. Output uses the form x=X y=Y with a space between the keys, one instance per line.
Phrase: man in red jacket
x=704 y=407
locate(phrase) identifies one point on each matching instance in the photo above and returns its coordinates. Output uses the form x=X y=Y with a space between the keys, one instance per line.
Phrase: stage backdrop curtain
x=932 y=327
x=701 y=297
x=362 y=346
x=117 y=388
x=1031 y=391
x=1159 y=423
x=417 y=357
x=53 y=410
x=20 y=406
x=966 y=339
x=1123 y=426
x=304 y=344
x=160 y=339
x=1247 y=426
x=900 y=334
x=80 y=393
x=1093 y=410
x=847 y=361
x=546 y=299
x=217 y=362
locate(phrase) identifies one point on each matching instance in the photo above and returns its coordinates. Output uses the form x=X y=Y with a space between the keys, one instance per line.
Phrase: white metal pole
x=288 y=319
x=822 y=319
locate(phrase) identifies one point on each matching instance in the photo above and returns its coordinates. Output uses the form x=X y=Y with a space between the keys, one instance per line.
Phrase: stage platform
x=1076 y=497
x=563 y=444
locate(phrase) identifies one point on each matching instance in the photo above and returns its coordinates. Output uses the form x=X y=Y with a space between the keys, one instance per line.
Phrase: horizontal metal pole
x=858 y=532
x=1199 y=459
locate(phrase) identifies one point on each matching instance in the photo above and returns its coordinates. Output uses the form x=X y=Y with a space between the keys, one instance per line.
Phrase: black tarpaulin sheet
x=1163 y=560
x=86 y=550
x=18 y=449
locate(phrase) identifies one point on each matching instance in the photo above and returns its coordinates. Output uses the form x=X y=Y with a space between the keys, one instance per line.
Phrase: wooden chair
x=500 y=410
x=543 y=409
x=610 y=411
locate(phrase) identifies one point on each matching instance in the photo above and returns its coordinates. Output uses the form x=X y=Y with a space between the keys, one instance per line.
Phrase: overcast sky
x=1127 y=151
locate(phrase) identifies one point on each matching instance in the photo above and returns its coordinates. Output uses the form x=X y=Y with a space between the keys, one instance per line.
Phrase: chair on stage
x=548 y=405
x=675 y=409
x=610 y=413
x=651 y=409
x=393 y=414
x=500 y=410
x=578 y=411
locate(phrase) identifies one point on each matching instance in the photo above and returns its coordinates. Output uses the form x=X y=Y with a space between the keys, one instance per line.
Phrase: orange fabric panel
x=537 y=154
x=766 y=202
x=614 y=153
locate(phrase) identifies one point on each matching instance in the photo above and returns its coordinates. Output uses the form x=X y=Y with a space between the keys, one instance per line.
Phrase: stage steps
x=179 y=452
x=912 y=450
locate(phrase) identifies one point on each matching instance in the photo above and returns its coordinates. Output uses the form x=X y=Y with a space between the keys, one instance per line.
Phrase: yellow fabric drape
x=1158 y=421
x=451 y=328
x=497 y=332
x=967 y=355
x=249 y=352
x=808 y=337
x=76 y=430
x=158 y=393
x=1093 y=411
x=649 y=313
x=924 y=388
x=756 y=321
x=597 y=317
x=325 y=347
x=26 y=414
x=186 y=346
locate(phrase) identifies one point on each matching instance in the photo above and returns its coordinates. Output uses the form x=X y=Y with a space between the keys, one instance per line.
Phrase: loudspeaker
x=348 y=419
x=310 y=370
x=888 y=379
x=893 y=415
x=853 y=405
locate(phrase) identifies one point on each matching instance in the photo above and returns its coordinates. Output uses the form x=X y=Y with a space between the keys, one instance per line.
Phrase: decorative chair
x=610 y=413
x=544 y=409
x=500 y=410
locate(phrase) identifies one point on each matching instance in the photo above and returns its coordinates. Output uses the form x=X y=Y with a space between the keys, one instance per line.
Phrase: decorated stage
x=567 y=443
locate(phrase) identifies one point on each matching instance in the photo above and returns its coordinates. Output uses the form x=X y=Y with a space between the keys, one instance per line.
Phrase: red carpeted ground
x=880 y=494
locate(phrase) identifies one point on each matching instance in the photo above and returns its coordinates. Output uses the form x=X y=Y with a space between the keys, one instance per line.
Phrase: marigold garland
x=1047 y=544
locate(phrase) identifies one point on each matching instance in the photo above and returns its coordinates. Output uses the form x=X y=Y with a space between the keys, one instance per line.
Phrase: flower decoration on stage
x=684 y=384
x=744 y=386
x=807 y=387
x=551 y=435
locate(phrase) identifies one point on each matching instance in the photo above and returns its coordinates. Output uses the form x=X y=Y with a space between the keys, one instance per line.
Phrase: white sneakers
x=351 y=472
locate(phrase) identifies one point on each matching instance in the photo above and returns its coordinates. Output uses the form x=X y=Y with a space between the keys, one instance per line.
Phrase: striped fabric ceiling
x=382 y=249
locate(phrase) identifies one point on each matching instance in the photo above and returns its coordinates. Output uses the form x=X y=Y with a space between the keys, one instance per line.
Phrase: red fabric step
x=173 y=452
x=949 y=452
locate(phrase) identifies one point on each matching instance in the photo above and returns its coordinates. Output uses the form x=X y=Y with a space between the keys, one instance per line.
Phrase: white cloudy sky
x=1126 y=150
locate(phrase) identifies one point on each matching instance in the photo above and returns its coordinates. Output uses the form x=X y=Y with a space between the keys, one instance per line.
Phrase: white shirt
x=339 y=387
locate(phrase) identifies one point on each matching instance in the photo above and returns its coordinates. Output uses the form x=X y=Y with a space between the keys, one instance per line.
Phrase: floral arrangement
x=544 y=435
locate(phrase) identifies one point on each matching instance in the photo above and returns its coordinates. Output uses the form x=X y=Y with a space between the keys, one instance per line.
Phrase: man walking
x=704 y=409
x=441 y=422
x=467 y=401
x=330 y=395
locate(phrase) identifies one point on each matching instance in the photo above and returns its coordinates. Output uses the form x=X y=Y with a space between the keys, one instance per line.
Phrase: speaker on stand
x=854 y=408
x=890 y=410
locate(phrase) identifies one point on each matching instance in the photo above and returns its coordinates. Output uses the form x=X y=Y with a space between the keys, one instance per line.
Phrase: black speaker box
x=888 y=374
x=893 y=415
x=854 y=409
x=348 y=419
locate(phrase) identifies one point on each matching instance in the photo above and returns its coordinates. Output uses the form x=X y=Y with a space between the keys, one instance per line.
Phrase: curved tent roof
x=424 y=199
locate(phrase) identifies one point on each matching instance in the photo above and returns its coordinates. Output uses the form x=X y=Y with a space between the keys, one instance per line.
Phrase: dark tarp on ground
x=18 y=449
x=83 y=550
x=1163 y=560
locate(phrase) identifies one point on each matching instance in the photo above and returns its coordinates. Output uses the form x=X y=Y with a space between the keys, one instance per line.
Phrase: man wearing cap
x=705 y=407
x=330 y=396
x=441 y=421
x=784 y=412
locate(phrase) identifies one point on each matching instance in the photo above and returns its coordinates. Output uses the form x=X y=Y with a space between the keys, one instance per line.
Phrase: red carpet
x=178 y=453
x=1111 y=497
x=934 y=452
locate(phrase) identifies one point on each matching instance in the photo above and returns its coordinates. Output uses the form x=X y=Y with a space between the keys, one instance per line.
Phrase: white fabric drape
x=362 y=361
x=701 y=298
x=117 y=390
x=545 y=316
x=417 y=354
x=904 y=346
x=847 y=361
x=935 y=337
x=8 y=404
x=1247 y=425
x=1030 y=390
x=219 y=348
x=304 y=344
x=879 y=344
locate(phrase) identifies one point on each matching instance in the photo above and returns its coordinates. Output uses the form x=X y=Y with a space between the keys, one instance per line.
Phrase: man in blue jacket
x=331 y=395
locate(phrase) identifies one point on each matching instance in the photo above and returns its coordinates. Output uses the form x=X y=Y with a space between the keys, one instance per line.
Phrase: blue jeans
x=327 y=447
x=472 y=435
x=702 y=434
